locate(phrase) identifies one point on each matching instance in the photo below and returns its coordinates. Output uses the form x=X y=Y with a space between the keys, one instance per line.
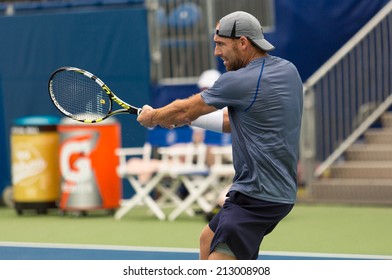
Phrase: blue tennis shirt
x=264 y=101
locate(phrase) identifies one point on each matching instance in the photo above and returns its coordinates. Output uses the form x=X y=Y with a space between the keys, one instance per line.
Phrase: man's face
x=227 y=49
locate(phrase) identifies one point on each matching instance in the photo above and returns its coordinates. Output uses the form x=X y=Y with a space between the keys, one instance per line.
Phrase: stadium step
x=362 y=169
x=378 y=136
x=386 y=120
x=357 y=191
x=369 y=152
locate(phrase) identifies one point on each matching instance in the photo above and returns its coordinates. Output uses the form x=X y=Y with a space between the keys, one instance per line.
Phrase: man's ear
x=244 y=41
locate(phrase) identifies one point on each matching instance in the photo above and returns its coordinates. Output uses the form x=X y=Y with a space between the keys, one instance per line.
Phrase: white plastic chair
x=141 y=170
x=222 y=171
x=187 y=164
x=220 y=175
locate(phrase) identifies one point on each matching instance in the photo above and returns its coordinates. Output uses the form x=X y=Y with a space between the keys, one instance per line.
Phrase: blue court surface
x=41 y=251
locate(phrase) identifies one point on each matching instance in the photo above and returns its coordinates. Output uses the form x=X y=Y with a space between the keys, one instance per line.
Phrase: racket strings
x=80 y=96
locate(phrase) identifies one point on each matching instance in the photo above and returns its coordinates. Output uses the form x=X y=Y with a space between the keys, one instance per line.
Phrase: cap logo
x=233 y=31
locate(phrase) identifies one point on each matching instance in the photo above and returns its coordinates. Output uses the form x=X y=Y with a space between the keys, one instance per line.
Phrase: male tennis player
x=263 y=94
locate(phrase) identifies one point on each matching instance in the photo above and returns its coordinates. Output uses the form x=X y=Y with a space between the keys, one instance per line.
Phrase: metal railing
x=347 y=95
x=181 y=33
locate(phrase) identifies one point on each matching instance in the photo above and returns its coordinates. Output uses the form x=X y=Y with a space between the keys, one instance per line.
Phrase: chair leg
x=142 y=195
x=168 y=193
x=195 y=192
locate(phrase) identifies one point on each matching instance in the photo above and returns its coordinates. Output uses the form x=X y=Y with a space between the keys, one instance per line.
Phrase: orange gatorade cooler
x=35 y=163
x=88 y=166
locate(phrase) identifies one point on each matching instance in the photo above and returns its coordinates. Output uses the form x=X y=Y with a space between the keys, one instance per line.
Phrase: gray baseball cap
x=241 y=23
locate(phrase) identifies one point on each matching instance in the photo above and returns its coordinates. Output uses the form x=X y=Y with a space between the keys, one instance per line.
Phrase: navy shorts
x=243 y=222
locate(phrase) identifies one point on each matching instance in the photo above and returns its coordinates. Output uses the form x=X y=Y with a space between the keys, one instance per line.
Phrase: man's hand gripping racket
x=82 y=96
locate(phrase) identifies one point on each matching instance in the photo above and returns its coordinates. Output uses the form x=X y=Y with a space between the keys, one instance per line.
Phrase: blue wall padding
x=111 y=43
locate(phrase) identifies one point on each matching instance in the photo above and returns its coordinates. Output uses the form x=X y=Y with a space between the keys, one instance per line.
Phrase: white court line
x=325 y=255
x=97 y=247
x=184 y=250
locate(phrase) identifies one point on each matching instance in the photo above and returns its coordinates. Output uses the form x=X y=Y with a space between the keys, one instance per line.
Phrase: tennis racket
x=82 y=96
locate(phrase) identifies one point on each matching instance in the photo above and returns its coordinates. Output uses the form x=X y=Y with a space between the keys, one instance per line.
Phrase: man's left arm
x=178 y=113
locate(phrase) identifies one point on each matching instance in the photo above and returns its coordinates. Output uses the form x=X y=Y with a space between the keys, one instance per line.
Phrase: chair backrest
x=185 y=15
x=184 y=158
x=223 y=159
x=124 y=154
